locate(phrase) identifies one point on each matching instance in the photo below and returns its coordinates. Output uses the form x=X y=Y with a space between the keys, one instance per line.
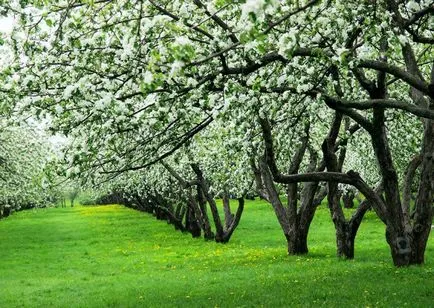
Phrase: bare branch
x=386 y=103
x=400 y=73
x=217 y=20
x=288 y=15
x=184 y=183
x=336 y=104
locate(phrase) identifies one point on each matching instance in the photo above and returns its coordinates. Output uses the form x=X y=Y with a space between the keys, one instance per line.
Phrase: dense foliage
x=24 y=164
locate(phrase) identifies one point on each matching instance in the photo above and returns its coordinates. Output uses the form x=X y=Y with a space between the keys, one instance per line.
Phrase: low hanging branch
x=182 y=181
x=351 y=177
x=380 y=103
x=427 y=89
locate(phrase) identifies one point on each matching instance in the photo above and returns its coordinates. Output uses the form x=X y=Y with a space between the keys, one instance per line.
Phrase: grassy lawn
x=112 y=256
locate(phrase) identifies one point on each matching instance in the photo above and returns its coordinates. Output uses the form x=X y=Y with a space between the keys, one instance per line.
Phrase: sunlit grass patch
x=101 y=256
x=100 y=209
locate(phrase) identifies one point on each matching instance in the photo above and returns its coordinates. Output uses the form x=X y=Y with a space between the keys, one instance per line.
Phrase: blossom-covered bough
x=183 y=189
x=134 y=82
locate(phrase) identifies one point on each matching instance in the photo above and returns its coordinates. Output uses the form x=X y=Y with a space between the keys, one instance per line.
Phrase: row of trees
x=24 y=158
x=184 y=188
x=305 y=98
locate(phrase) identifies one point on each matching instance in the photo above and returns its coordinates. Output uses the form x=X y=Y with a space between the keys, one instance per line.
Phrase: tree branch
x=336 y=104
x=180 y=179
x=385 y=103
x=288 y=15
x=400 y=73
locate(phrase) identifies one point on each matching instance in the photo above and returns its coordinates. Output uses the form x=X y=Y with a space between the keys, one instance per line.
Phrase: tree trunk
x=410 y=173
x=309 y=204
x=235 y=221
x=297 y=241
x=348 y=199
x=191 y=223
x=177 y=217
x=260 y=186
x=274 y=199
x=147 y=205
x=201 y=216
x=211 y=202
x=6 y=212
x=294 y=222
x=229 y=217
x=345 y=241
x=424 y=209
x=400 y=246
x=398 y=227
x=295 y=232
x=292 y=235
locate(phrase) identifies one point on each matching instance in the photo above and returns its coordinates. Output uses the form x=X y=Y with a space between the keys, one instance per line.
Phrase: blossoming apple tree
x=23 y=161
x=135 y=81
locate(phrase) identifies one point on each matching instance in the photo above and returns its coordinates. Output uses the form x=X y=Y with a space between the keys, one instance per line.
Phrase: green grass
x=111 y=256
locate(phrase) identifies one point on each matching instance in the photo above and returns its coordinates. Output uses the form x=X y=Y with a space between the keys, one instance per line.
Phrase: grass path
x=111 y=256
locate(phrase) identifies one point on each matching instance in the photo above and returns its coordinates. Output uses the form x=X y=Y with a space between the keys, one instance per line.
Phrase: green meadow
x=112 y=256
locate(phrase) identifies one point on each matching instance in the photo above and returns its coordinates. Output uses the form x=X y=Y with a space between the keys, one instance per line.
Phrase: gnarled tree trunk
x=201 y=215
x=223 y=233
x=424 y=207
x=348 y=199
x=191 y=223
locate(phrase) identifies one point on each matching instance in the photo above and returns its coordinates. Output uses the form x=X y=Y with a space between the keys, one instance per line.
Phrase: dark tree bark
x=424 y=207
x=196 y=217
x=191 y=223
x=294 y=223
x=397 y=233
x=223 y=232
x=229 y=217
x=201 y=216
x=348 y=199
x=165 y=211
x=294 y=220
x=346 y=231
x=230 y=228
x=6 y=212
x=279 y=209
x=147 y=206
x=309 y=204
x=406 y=233
x=408 y=182
x=343 y=245
x=211 y=202
x=260 y=186
x=178 y=216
